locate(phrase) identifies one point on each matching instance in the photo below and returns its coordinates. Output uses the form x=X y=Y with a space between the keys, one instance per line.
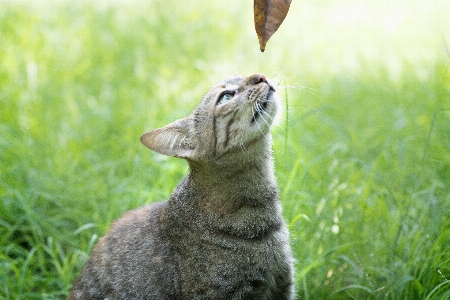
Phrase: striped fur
x=220 y=235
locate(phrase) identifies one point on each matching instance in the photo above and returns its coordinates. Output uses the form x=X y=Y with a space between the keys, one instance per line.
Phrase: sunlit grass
x=362 y=150
x=370 y=190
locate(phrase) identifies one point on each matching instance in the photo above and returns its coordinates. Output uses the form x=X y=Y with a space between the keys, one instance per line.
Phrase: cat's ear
x=172 y=140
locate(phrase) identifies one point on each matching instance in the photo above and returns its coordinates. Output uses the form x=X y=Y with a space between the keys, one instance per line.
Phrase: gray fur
x=220 y=235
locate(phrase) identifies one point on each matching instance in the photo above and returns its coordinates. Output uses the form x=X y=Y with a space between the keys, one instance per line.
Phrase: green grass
x=362 y=152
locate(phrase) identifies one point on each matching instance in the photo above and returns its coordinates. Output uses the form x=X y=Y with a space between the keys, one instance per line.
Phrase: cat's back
x=130 y=260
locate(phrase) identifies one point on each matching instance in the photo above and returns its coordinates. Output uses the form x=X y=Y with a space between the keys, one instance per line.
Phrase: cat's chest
x=215 y=266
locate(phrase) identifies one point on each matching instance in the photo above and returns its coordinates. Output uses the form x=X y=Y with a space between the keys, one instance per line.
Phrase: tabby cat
x=220 y=235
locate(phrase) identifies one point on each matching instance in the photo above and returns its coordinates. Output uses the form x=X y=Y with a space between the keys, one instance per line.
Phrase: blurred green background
x=362 y=147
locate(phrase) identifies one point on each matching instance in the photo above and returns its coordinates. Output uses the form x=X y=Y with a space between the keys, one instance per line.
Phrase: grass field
x=362 y=148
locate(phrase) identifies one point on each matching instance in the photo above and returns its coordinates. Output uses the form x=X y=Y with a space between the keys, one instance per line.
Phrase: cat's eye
x=225 y=98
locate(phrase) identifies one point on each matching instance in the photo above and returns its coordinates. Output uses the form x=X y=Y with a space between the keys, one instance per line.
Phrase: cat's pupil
x=225 y=98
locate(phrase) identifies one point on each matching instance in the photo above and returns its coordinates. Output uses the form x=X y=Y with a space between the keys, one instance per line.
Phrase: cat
x=221 y=234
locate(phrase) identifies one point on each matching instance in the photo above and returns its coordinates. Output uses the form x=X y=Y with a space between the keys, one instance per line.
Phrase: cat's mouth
x=260 y=106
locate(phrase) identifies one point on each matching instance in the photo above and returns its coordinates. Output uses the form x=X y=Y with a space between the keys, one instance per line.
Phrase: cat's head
x=233 y=118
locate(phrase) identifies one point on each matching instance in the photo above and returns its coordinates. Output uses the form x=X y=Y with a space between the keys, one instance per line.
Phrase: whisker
x=284 y=78
x=313 y=91
x=269 y=116
x=302 y=87
x=253 y=114
x=261 y=111
x=256 y=121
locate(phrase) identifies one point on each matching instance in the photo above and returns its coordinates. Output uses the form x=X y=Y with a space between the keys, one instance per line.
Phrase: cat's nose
x=260 y=78
x=257 y=78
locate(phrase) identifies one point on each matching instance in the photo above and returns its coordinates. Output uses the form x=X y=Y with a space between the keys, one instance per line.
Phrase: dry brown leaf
x=269 y=14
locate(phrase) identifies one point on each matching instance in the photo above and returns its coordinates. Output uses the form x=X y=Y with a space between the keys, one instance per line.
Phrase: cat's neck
x=240 y=199
x=248 y=181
